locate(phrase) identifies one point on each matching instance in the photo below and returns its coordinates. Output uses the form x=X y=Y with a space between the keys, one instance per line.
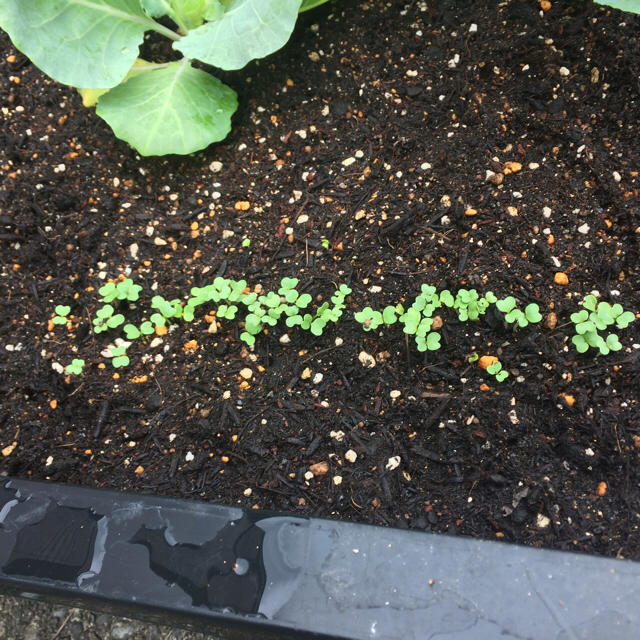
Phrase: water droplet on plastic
x=241 y=566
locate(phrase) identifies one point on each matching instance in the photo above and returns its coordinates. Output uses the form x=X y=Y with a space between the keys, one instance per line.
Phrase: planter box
x=258 y=573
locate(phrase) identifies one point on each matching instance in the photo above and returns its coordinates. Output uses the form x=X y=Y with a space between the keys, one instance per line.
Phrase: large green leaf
x=156 y=8
x=310 y=4
x=632 y=6
x=85 y=43
x=248 y=29
x=176 y=109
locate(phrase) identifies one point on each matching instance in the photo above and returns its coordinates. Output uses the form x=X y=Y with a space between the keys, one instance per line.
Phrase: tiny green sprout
x=446 y=298
x=473 y=357
x=131 y=332
x=227 y=311
x=76 y=366
x=119 y=357
x=594 y=317
x=513 y=315
x=158 y=319
x=122 y=290
x=389 y=314
x=62 y=311
x=470 y=305
x=325 y=243
x=430 y=342
x=496 y=370
x=369 y=319
x=246 y=243
x=146 y=328
x=105 y=319
x=247 y=338
x=506 y=304
x=532 y=312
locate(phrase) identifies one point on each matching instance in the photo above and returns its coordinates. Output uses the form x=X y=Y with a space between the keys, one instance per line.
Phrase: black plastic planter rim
x=246 y=573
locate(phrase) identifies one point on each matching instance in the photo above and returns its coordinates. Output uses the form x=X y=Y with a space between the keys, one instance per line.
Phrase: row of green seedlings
x=267 y=310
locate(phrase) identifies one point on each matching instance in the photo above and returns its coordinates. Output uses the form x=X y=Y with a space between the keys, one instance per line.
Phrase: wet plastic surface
x=217 y=567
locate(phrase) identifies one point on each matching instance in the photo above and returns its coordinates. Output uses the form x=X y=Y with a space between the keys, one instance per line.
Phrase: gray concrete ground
x=22 y=619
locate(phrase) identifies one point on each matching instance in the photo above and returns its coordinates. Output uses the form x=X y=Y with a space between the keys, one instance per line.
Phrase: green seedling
x=470 y=305
x=132 y=332
x=227 y=312
x=122 y=290
x=496 y=370
x=417 y=319
x=474 y=357
x=105 y=319
x=75 y=368
x=325 y=243
x=62 y=311
x=246 y=243
x=597 y=316
x=119 y=357
x=531 y=313
x=371 y=320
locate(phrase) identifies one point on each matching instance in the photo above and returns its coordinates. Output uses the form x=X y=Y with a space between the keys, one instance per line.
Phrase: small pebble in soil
x=306 y=374
x=394 y=394
x=366 y=359
x=542 y=522
x=337 y=480
x=561 y=278
x=317 y=379
x=393 y=463
x=246 y=373
x=602 y=489
x=319 y=468
x=351 y=456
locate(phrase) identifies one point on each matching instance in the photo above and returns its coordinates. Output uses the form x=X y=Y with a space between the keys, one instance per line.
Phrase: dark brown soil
x=556 y=91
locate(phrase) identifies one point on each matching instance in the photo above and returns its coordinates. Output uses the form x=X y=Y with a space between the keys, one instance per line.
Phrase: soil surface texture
x=461 y=144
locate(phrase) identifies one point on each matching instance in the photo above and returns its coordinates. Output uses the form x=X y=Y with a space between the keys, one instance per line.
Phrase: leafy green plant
x=76 y=366
x=632 y=6
x=132 y=332
x=158 y=108
x=513 y=315
x=418 y=320
x=470 y=305
x=119 y=357
x=121 y=290
x=597 y=316
x=496 y=370
x=371 y=320
x=62 y=311
x=165 y=310
x=106 y=319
